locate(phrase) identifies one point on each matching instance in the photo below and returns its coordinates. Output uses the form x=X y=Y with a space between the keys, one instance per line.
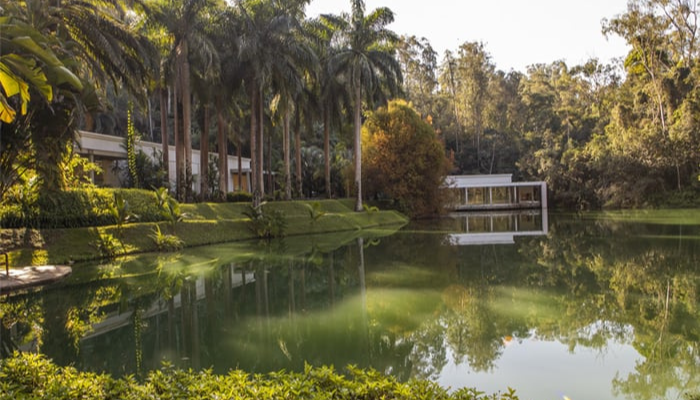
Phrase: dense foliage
x=80 y=208
x=619 y=135
x=404 y=161
x=31 y=376
x=289 y=92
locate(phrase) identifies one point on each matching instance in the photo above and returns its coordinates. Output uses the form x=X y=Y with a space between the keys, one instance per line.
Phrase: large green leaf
x=28 y=44
x=59 y=75
x=7 y=113
x=12 y=85
x=26 y=70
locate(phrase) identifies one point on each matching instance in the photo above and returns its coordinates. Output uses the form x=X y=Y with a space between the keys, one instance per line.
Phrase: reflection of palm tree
x=363 y=294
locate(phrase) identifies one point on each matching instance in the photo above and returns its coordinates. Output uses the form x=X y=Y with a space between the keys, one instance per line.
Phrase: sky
x=516 y=33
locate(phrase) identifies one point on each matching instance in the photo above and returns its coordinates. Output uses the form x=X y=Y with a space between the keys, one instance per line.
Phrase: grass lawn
x=208 y=223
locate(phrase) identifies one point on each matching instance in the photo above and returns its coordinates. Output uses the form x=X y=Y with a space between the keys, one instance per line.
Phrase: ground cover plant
x=30 y=376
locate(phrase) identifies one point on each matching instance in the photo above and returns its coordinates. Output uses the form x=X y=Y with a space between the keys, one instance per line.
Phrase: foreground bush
x=29 y=376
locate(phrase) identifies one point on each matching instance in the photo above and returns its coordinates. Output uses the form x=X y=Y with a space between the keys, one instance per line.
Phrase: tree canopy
x=623 y=134
x=403 y=160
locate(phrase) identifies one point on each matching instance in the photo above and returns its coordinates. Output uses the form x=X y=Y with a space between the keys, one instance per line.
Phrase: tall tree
x=332 y=92
x=273 y=55
x=366 y=56
x=186 y=22
x=661 y=66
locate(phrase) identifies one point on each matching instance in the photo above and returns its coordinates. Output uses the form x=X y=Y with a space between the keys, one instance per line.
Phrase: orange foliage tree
x=403 y=160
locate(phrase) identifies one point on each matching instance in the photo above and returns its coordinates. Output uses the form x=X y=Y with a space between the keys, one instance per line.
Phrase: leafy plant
x=28 y=375
x=166 y=242
x=120 y=211
x=170 y=208
x=315 y=211
x=264 y=224
x=108 y=246
x=370 y=209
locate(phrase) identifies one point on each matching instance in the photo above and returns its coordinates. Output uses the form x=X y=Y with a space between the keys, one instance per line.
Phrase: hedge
x=29 y=376
x=79 y=208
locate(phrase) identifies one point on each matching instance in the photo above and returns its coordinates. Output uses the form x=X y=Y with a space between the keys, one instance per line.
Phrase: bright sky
x=516 y=33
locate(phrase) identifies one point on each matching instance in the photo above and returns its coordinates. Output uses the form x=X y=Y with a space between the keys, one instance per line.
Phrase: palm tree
x=332 y=93
x=228 y=92
x=185 y=21
x=273 y=58
x=95 y=42
x=28 y=67
x=366 y=58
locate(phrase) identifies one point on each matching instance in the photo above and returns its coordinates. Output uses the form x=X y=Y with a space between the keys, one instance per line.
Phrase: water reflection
x=597 y=306
x=478 y=228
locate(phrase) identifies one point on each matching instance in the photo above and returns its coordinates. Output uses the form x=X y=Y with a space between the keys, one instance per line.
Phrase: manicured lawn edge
x=208 y=223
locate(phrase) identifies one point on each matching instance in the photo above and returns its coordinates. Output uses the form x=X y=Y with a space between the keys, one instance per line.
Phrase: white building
x=105 y=150
x=496 y=192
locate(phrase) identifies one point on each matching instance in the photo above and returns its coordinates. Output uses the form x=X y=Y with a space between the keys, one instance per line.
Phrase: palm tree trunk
x=164 y=132
x=287 y=169
x=358 y=144
x=204 y=188
x=297 y=152
x=222 y=150
x=270 y=180
x=179 y=148
x=261 y=152
x=327 y=151
x=187 y=125
x=239 y=153
x=253 y=146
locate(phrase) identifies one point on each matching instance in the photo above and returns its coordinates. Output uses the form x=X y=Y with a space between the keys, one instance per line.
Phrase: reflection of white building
x=116 y=319
x=496 y=192
x=499 y=227
x=105 y=150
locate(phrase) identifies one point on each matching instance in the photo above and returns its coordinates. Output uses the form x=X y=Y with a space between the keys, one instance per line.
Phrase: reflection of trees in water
x=637 y=275
x=586 y=284
x=472 y=332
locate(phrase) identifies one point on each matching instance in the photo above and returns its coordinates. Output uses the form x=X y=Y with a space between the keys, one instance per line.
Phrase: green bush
x=239 y=197
x=266 y=223
x=79 y=208
x=166 y=242
x=108 y=246
x=29 y=376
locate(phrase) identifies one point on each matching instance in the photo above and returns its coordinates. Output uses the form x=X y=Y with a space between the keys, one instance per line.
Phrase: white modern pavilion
x=106 y=150
x=496 y=192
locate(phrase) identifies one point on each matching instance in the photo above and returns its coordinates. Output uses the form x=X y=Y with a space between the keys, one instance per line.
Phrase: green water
x=591 y=306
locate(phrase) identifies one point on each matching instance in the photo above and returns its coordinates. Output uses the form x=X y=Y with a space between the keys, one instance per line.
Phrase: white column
x=543 y=195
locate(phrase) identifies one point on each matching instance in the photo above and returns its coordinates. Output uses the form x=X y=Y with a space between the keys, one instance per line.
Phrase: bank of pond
x=593 y=305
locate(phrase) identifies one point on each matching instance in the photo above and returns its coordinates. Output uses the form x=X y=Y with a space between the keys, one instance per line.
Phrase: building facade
x=107 y=151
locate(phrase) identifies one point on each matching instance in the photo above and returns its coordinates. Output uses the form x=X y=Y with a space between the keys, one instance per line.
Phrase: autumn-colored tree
x=404 y=160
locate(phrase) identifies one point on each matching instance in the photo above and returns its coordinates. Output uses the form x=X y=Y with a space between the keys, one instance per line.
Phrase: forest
x=261 y=79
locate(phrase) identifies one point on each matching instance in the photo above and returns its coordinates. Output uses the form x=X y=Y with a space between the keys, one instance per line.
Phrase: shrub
x=404 y=160
x=166 y=242
x=108 y=245
x=33 y=376
x=239 y=197
x=169 y=208
x=265 y=224
x=80 y=208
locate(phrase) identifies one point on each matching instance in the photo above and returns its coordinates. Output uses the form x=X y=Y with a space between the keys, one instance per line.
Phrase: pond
x=588 y=306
